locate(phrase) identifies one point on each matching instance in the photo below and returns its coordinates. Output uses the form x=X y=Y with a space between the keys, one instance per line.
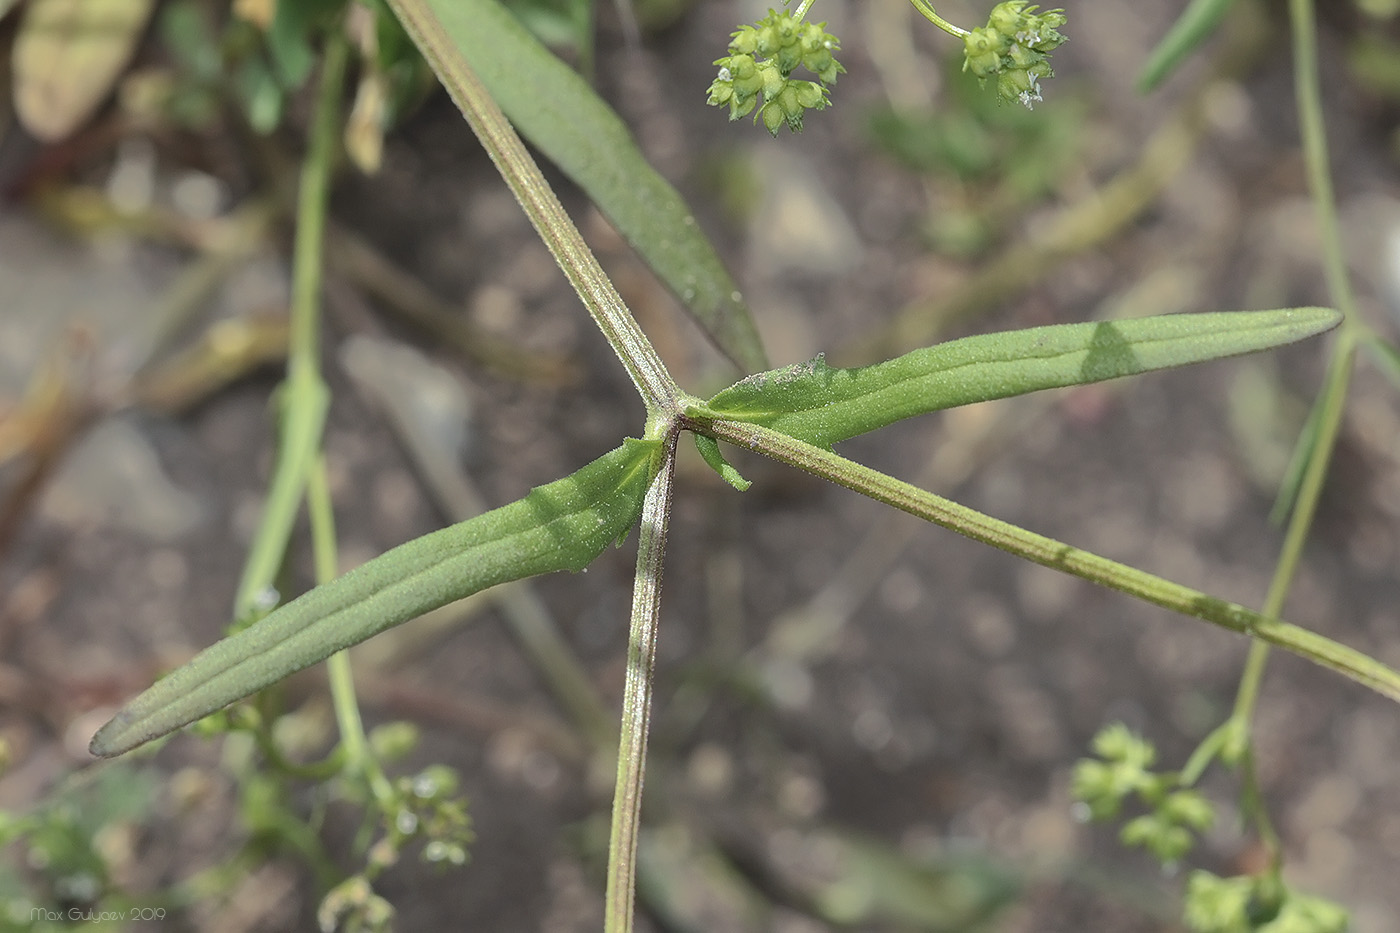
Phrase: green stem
x=1051 y=553
x=304 y=400
x=300 y=468
x=802 y=9
x=342 y=683
x=313 y=195
x=926 y=10
x=659 y=392
x=1252 y=804
x=636 y=696
x=1304 y=510
x=303 y=394
x=1307 y=86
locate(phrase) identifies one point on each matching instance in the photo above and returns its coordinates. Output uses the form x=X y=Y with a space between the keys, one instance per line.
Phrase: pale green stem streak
x=1309 y=492
x=342 y=682
x=1300 y=523
x=636 y=695
x=304 y=368
x=926 y=10
x=1308 y=90
x=1053 y=554
x=303 y=401
x=551 y=221
x=302 y=397
x=313 y=195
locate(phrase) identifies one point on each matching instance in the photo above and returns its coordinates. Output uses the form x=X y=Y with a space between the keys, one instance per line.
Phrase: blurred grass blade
x=67 y=57
x=1321 y=428
x=560 y=24
x=556 y=110
x=1387 y=357
x=853 y=882
x=561 y=526
x=822 y=405
x=869 y=884
x=1298 y=463
x=1193 y=27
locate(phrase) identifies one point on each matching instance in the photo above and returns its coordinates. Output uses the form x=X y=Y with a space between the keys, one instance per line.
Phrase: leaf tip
x=112 y=739
x=709 y=450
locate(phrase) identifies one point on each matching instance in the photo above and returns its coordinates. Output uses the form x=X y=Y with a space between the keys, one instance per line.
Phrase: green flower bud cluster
x=1013 y=48
x=758 y=71
x=1122 y=770
x=426 y=807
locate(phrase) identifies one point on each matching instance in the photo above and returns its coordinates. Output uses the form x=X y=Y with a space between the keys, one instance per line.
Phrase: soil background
x=841 y=693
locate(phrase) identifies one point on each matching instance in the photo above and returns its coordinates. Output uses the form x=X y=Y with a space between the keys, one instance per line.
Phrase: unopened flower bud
x=772 y=115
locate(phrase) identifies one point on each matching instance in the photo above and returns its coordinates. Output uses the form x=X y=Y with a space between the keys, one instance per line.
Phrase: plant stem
x=313 y=195
x=304 y=401
x=303 y=394
x=339 y=673
x=926 y=10
x=636 y=695
x=1051 y=553
x=1307 y=87
x=300 y=468
x=1304 y=509
x=659 y=392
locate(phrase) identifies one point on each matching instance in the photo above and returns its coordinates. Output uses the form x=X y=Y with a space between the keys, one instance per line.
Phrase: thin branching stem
x=1300 y=521
x=303 y=395
x=304 y=365
x=659 y=392
x=313 y=196
x=1308 y=91
x=1051 y=553
x=636 y=696
x=346 y=704
x=926 y=10
x=301 y=465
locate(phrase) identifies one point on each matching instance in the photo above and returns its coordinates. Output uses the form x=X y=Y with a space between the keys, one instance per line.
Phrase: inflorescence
x=759 y=66
x=1013 y=48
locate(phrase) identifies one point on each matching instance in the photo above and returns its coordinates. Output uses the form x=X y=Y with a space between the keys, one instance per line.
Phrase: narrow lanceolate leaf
x=822 y=405
x=556 y=110
x=67 y=57
x=1194 y=26
x=561 y=526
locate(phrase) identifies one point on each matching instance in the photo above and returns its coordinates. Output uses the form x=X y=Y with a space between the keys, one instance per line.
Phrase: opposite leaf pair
x=566 y=524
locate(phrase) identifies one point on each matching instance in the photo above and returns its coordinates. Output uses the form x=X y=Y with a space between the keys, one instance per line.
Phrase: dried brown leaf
x=67 y=57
